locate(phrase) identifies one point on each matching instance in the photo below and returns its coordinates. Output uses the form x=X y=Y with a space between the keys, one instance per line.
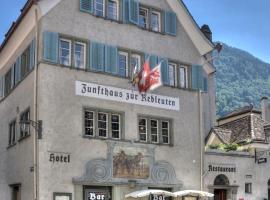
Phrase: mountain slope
x=241 y=79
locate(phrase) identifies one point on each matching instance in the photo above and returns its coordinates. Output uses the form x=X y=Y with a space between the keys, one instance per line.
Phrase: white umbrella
x=193 y=192
x=144 y=193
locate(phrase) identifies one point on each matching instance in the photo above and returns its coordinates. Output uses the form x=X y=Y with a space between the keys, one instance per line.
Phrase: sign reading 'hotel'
x=126 y=96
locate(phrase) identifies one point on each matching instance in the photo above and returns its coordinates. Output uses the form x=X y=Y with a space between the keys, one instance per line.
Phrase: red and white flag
x=149 y=79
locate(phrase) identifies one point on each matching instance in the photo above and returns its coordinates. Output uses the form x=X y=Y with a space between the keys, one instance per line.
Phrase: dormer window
x=112 y=9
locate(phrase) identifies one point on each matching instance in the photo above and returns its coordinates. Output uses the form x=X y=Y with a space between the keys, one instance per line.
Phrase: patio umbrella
x=144 y=193
x=193 y=193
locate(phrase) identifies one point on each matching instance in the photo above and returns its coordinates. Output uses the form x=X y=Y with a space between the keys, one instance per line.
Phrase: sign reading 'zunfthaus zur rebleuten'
x=126 y=96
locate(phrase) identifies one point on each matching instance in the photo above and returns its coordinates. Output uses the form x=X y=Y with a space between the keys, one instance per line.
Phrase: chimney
x=207 y=32
x=264 y=108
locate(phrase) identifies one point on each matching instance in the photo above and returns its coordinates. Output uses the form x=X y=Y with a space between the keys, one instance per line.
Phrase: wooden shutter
x=205 y=84
x=197 y=77
x=97 y=56
x=1 y=87
x=32 y=54
x=125 y=11
x=86 y=6
x=134 y=11
x=153 y=60
x=111 y=59
x=12 y=80
x=170 y=23
x=164 y=70
x=50 y=46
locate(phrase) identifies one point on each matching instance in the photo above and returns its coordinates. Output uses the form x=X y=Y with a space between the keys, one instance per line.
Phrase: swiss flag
x=149 y=79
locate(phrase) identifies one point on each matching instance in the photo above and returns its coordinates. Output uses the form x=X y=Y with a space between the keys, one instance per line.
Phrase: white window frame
x=186 y=76
x=175 y=74
x=159 y=19
x=84 y=54
x=152 y=119
x=146 y=132
x=119 y=126
x=117 y=9
x=107 y=124
x=60 y=51
x=95 y=9
x=137 y=56
x=94 y=132
x=168 y=122
x=146 y=17
x=127 y=60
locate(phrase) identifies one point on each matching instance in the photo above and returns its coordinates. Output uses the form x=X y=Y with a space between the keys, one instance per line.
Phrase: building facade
x=68 y=64
x=240 y=168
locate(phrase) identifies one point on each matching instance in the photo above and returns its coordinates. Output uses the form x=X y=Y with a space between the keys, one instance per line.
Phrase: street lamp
x=24 y=124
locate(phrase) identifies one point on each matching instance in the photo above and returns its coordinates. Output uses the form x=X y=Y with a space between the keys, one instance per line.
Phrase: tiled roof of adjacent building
x=223 y=134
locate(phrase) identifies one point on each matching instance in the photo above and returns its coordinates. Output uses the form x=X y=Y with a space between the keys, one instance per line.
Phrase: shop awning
x=144 y=193
x=196 y=193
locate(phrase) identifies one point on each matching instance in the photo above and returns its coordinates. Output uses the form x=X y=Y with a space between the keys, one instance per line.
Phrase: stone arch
x=221 y=179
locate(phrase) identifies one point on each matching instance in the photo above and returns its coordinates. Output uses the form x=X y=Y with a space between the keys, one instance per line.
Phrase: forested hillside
x=241 y=80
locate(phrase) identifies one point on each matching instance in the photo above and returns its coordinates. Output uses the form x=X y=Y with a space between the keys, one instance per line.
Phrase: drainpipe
x=201 y=138
x=36 y=151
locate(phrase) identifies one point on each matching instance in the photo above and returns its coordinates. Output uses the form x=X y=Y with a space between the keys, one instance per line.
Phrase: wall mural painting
x=130 y=163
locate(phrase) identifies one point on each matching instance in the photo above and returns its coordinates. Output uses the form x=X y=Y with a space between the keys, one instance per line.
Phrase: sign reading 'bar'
x=126 y=96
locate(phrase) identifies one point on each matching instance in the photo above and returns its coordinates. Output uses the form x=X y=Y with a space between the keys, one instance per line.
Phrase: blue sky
x=239 y=23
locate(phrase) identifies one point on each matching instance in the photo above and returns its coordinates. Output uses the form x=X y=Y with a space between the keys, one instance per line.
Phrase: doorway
x=220 y=194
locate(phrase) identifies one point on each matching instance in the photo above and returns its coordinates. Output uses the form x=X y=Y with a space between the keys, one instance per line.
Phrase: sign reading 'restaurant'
x=126 y=96
x=221 y=168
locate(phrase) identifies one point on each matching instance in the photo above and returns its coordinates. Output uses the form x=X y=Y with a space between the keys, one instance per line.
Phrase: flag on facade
x=148 y=79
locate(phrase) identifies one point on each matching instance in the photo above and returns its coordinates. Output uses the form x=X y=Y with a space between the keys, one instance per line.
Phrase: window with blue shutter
x=125 y=11
x=50 y=46
x=18 y=70
x=111 y=59
x=12 y=79
x=170 y=23
x=197 y=77
x=86 y=6
x=97 y=53
x=164 y=70
x=134 y=11
x=153 y=60
x=32 y=54
x=205 y=84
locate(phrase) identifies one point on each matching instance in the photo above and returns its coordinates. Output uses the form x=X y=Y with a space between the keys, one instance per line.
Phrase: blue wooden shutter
x=164 y=70
x=134 y=11
x=97 y=56
x=12 y=81
x=32 y=54
x=205 y=84
x=1 y=86
x=50 y=46
x=170 y=23
x=197 y=77
x=111 y=59
x=125 y=11
x=86 y=6
x=18 y=70
x=153 y=60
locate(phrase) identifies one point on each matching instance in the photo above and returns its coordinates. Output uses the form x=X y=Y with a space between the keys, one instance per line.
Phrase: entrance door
x=220 y=195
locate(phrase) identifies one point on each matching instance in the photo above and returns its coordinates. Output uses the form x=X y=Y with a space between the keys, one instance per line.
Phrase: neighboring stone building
x=237 y=156
x=68 y=64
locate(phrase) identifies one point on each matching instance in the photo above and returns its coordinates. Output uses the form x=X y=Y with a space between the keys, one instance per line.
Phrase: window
x=143 y=130
x=99 y=8
x=79 y=55
x=8 y=81
x=89 y=123
x=135 y=60
x=123 y=63
x=154 y=130
x=62 y=196
x=155 y=21
x=25 y=62
x=183 y=77
x=159 y=130
x=172 y=74
x=25 y=128
x=143 y=18
x=15 y=192
x=248 y=188
x=12 y=133
x=65 y=52
x=112 y=9
x=103 y=124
